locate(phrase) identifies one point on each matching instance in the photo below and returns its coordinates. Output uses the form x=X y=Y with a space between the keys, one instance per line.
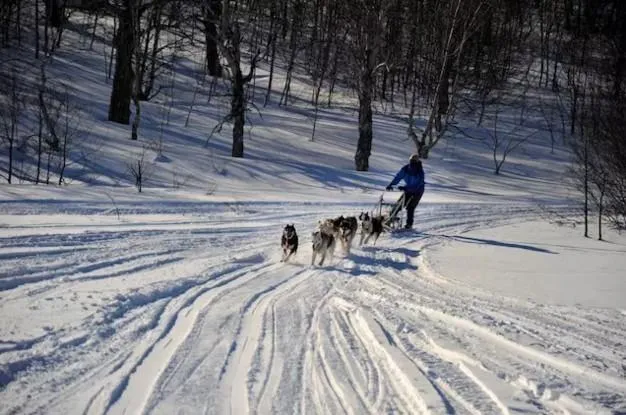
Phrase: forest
x=431 y=61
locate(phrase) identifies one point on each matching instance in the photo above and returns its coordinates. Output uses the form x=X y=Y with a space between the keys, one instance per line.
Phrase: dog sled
x=392 y=211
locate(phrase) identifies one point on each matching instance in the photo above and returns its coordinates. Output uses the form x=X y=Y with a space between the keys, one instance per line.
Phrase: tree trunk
x=271 y=75
x=443 y=99
x=297 y=22
x=5 y=21
x=212 y=14
x=54 y=13
x=332 y=77
x=49 y=166
x=600 y=212
x=238 y=113
x=271 y=46
x=11 y=140
x=119 y=106
x=364 y=144
x=46 y=35
x=36 y=29
x=93 y=31
x=145 y=86
x=134 y=135
x=383 y=85
x=586 y=179
x=39 y=145
x=63 y=159
x=18 y=22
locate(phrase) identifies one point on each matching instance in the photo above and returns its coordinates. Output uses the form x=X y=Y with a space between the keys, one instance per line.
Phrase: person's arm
x=399 y=176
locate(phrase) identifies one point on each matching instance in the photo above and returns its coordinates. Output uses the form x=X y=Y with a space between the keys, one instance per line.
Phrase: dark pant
x=411 y=200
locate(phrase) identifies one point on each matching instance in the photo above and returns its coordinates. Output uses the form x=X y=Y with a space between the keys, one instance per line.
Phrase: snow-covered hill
x=174 y=300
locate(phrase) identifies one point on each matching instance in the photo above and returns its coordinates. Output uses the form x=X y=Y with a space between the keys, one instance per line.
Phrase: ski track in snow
x=196 y=314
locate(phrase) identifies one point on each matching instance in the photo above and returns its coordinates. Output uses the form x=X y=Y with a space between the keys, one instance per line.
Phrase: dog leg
x=288 y=256
x=313 y=259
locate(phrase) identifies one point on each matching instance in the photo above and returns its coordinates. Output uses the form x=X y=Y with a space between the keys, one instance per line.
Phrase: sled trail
x=199 y=315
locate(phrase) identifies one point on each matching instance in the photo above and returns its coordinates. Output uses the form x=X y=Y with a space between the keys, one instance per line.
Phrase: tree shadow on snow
x=498 y=243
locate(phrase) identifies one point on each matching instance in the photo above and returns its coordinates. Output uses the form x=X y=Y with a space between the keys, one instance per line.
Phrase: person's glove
x=389 y=188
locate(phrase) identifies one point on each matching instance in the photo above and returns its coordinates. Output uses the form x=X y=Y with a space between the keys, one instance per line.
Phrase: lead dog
x=289 y=242
x=371 y=226
x=323 y=244
x=348 y=228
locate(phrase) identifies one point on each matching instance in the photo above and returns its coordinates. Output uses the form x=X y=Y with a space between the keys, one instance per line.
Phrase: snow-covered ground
x=174 y=300
x=184 y=307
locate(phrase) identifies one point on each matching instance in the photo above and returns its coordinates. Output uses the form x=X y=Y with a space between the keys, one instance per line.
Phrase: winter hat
x=414 y=158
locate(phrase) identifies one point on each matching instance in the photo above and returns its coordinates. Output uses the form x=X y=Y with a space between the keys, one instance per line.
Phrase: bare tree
x=271 y=47
x=503 y=144
x=210 y=18
x=147 y=57
x=125 y=42
x=59 y=127
x=551 y=112
x=581 y=148
x=67 y=136
x=464 y=21
x=323 y=43
x=55 y=12
x=136 y=92
x=365 y=21
x=230 y=39
x=603 y=151
x=8 y=10
x=139 y=169
x=128 y=15
x=11 y=108
x=298 y=11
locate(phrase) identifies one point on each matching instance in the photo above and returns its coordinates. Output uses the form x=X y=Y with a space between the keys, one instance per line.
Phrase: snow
x=174 y=300
x=538 y=261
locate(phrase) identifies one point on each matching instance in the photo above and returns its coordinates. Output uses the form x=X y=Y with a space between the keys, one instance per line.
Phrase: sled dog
x=289 y=242
x=348 y=228
x=323 y=244
x=371 y=226
x=330 y=226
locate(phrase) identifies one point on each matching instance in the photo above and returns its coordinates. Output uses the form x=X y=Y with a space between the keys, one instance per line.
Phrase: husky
x=347 y=231
x=370 y=226
x=323 y=244
x=289 y=242
x=330 y=226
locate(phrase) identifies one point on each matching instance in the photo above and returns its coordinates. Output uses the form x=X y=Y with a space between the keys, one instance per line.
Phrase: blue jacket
x=413 y=176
